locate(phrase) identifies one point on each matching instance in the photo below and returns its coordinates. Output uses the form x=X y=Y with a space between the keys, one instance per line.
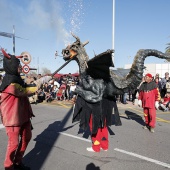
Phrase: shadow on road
x=86 y=133
x=135 y=117
x=45 y=142
x=92 y=166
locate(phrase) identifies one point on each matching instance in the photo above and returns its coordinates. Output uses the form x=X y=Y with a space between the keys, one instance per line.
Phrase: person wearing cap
x=149 y=98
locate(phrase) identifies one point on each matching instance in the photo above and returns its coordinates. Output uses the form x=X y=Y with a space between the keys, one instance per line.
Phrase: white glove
x=140 y=103
x=157 y=105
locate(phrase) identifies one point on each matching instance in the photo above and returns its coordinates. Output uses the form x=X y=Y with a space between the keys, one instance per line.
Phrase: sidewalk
x=71 y=103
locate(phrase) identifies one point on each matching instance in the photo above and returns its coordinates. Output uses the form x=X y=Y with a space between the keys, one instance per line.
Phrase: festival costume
x=149 y=94
x=98 y=116
x=100 y=138
x=16 y=112
x=103 y=81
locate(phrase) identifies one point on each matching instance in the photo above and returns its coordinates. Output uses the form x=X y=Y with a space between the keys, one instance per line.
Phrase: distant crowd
x=61 y=88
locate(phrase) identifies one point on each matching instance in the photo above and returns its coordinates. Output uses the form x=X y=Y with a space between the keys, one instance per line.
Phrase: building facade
x=161 y=69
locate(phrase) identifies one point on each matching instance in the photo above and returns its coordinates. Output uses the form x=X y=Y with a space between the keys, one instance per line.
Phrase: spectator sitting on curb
x=165 y=102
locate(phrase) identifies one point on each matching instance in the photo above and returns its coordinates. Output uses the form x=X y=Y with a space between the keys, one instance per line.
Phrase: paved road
x=56 y=144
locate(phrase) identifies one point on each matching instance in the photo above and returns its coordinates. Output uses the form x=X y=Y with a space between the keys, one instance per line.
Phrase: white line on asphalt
x=1 y=126
x=66 y=134
x=143 y=157
x=123 y=151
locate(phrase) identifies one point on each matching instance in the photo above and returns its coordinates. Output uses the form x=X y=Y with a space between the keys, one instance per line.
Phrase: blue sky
x=139 y=24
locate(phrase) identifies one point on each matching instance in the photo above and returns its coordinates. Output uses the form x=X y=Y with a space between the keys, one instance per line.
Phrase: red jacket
x=166 y=100
x=15 y=106
x=148 y=95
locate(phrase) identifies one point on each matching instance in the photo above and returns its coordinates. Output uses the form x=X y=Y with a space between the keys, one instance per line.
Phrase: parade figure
x=100 y=83
x=16 y=112
x=98 y=116
x=149 y=98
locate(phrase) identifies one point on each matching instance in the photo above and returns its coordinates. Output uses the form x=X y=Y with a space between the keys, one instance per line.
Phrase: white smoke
x=47 y=15
x=62 y=17
x=34 y=16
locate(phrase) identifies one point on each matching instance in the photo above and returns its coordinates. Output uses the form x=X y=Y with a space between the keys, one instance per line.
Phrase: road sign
x=26 y=58
x=25 y=68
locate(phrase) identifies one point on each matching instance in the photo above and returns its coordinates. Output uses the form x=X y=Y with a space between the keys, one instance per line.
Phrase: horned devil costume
x=16 y=111
x=99 y=85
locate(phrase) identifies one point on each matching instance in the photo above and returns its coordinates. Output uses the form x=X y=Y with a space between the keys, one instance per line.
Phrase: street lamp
x=113 y=30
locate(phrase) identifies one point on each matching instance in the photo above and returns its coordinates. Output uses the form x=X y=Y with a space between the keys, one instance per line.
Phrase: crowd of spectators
x=61 y=88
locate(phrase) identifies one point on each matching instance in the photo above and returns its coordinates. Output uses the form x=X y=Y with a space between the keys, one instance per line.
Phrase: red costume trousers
x=150 y=116
x=18 y=139
x=100 y=139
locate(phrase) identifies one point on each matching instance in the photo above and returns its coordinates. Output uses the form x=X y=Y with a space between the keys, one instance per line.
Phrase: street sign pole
x=14 y=39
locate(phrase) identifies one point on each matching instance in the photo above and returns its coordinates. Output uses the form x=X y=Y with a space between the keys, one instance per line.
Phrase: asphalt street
x=58 y=144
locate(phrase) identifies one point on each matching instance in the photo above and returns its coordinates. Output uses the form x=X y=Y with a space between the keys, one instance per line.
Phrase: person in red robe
x=16 y=112
x=149 y=98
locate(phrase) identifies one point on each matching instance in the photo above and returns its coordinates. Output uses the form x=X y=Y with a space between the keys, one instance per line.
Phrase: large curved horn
x=5 y=54
x=26 y=56
x=20 y=56
x=134 y=77
x=85 y=43
x=76 y=37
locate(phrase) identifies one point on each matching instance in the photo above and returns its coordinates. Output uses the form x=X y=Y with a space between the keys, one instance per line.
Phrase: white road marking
x=1 y=126
x=144 y=158
x=119 y=150
x=66 y=134
x=125 y=152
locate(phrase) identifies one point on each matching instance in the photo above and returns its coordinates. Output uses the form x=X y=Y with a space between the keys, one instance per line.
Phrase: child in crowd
x=165 y=102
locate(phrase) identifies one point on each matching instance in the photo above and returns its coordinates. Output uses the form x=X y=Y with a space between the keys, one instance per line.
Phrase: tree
x=45 y=71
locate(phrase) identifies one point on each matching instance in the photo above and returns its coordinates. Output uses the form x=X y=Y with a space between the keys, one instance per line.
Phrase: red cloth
x=100 y=139
x=16 y=113
x=166 y=100
x=63 y=86
x=149 y=75
x=149 y=95
x=16 y=149
x=148 y=98
x=15 y=106
x=150 y=117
